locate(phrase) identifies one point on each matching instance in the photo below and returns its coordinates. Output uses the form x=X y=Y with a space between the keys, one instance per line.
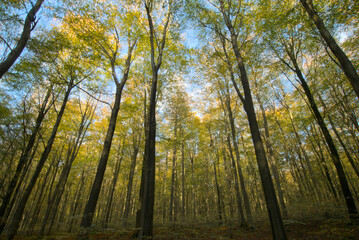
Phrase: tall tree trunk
x=147 y=204
x=183 y=181
x=352 y=210
x=29 y=25
x=236 y=186
x=174 y=166
x=344 y=61
x=271 y=156
x=24 y=158
x=136 y=148
x=240 y=174
x=13 y=225
x=164 y=190
x=219 y=199
x=90 y=207
x=268 y=188
x=79 y=193
x=351 y=160
x=41 y=195
x=112 y=188
x=73 y=150
x=141 y=192
x=218 y=191
x=194 y=202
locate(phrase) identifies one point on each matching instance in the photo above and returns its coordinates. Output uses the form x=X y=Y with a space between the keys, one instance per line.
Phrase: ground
x=332 y=229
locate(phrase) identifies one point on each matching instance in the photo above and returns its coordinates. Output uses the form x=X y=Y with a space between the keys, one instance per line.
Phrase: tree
x=29 y=25
x=230 y=13
x=111 y=51
x=147 y=200
x=346 y=65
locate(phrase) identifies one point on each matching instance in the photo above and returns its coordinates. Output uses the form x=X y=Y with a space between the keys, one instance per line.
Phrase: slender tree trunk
x=174 y=166
x=136 y=149
x=240 y=174
x=73 y=150
x=147 y=204
x=23 y=160
x=62 y=211
x=219 y=199
x=352 y=210
x=90 y=207
x=322 y=163
x=13 y=225
x=194 y=204
x=183 y=181
x=344 y=61
x=351 y=160
x=30 y=23
x=138 y=211
x=113 y=186
x=96 y=187
x=271 y=156
x=75 y=206
x=268 y=188
x=48 y=190
x=236 y=186
x=164 y=190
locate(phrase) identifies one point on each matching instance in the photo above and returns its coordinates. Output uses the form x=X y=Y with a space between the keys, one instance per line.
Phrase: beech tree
x=29 y=25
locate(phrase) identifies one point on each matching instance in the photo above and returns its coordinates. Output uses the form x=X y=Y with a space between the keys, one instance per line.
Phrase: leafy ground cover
x=332 y=229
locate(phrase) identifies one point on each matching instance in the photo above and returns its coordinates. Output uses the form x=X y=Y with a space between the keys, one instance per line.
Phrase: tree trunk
x=113 y=186
x=136 y=148
x=352 y=210
x=236 y=186
x=240 y=174
x=13 y=225
x=73 y=150
x=78 y=195
x=174 y=166
x=271 y=156
x=30 y=23
x=268 y=188
x=41 y=195
x=351 y=160
x=344 y=61
x=23 y=160
x=194 y=204
x=147 y=204
x=183 y=181
x=90 y=207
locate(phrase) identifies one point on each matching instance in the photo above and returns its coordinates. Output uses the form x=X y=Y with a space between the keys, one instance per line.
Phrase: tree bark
x=147 y=204
x=136 y=148
x=236 y=186
x=24 y=158
x=271 y=159
x=173 y=174
x=13 y=225
x=240 y=174
x=268 y=188
x=112 y=188
x=90 y=207
x=346 y=65
x=25 y=36
x=73 y=150
x=183 y=181
x=349 y=200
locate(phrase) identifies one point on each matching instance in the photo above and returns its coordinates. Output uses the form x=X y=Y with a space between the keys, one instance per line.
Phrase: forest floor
x=331 y=229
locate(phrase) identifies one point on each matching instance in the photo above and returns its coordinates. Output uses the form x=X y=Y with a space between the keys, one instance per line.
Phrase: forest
x=179 y=119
